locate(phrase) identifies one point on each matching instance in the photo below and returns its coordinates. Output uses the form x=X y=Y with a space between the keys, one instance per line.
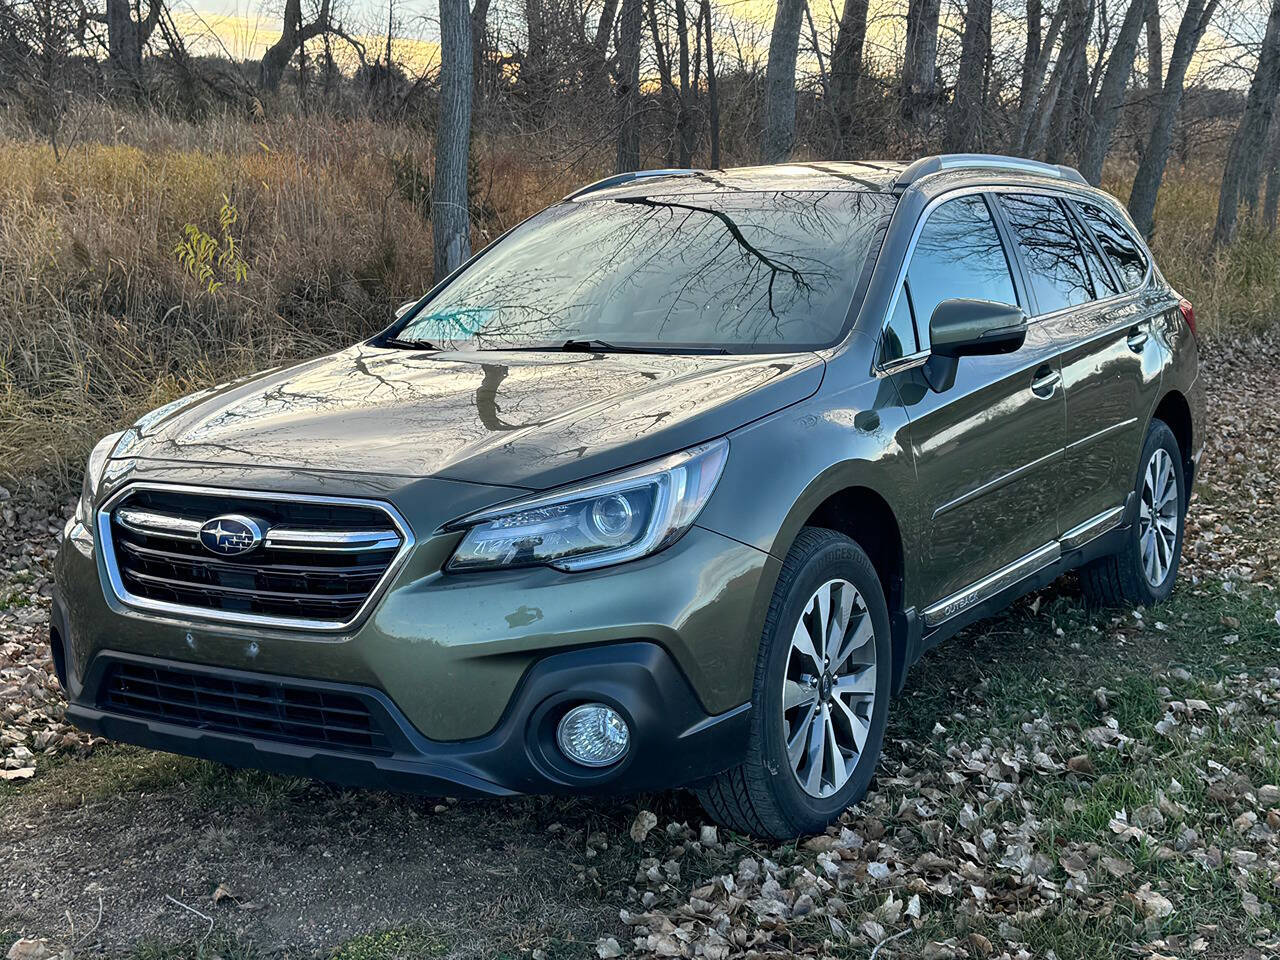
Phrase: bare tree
x=1031 y=101
x=1243 y=172
x=1155 y=50
x=964 y=122
x=627 y=88
x=713 y=96
x=1031 y=53
x=920 y=59
x=1110 y=98
x=127 y=35
x=780 y=82
x=293 y=34
x=450 y=211
x=846 y=70
x=1073 y=64
x=1142 y=199
x=684 y=116
x=479 y=24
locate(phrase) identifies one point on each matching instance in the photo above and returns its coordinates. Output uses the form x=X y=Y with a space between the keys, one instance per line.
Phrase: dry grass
x=99 y=321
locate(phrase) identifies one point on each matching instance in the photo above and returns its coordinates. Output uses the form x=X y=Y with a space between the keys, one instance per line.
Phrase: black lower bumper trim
x=674 y=741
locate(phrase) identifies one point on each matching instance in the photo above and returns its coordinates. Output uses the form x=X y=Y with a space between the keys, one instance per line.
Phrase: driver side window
x=958 y=254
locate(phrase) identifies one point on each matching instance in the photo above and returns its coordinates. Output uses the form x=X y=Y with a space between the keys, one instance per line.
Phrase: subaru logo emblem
x=231 y=535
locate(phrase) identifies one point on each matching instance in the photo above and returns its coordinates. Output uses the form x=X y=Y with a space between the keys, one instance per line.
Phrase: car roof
x=930 y=174
x=844 y=175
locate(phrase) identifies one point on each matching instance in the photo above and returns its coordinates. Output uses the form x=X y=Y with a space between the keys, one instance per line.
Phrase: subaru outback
x=668 y=486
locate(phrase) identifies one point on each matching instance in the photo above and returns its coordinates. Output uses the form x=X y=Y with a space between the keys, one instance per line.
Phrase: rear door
x=1088 y=302
x=988 y=450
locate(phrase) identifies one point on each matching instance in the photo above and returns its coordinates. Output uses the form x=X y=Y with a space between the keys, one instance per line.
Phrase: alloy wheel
x=1158 y=518
x=829 y=688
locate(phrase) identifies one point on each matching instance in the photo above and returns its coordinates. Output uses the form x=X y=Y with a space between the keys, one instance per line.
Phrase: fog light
x=593 y=735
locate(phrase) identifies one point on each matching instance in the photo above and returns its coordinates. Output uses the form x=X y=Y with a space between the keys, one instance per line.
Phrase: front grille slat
x=317 y=565
x=288 y=712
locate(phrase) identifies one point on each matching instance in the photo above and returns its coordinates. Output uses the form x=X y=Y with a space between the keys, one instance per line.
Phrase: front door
x=988 y=450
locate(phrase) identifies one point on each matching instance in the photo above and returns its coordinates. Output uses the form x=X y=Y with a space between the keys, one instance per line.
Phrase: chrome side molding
x=992 y=584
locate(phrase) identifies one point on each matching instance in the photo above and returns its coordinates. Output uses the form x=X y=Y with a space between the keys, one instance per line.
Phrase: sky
x=244 y=28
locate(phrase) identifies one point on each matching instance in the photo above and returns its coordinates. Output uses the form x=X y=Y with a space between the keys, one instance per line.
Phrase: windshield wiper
x=604 y=346
x=405 y=344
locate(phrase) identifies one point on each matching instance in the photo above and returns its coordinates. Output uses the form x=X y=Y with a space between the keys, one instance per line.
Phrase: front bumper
x=674 y=742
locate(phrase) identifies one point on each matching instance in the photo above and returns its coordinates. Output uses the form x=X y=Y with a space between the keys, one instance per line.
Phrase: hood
x=531 y=420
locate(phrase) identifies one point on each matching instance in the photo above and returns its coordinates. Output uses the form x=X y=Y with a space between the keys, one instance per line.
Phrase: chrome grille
x=317 y=566
x=288 y=712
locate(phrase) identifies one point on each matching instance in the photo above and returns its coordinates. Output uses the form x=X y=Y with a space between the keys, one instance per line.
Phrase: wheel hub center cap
x=824 y=685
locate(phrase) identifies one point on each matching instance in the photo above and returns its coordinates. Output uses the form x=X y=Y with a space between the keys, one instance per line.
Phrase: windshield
x=742 y=272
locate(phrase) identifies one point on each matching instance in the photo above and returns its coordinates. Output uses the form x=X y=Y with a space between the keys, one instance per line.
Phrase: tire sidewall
x=837 y=557
x=1159 y=436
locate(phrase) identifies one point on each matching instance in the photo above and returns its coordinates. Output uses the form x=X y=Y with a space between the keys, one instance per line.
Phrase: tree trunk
x=684 y=113
x=1030 y=82
x=1155 y=50
x=920 y=60
x=964 y=127
x=450 y=210
x=1240 y=177
x=1074 y=58
x=780 y=82
x=846 y=71
x=479 y=22
x=1106 y=106
x=627 y=90
x=1027 y=110
x=1146 y=185
x=604 y=28
x=713 y=96
x=126 y=37
x=278 y=55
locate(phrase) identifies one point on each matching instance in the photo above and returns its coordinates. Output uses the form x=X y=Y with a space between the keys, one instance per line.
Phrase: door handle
x=1046 y=381
x=1137 y=339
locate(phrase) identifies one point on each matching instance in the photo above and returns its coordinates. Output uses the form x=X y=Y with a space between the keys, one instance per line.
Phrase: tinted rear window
x=748 y=271
x=1055 y=264
x=1124 y=252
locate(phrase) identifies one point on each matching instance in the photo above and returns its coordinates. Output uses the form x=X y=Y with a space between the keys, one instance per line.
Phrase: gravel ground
x=1055 y=783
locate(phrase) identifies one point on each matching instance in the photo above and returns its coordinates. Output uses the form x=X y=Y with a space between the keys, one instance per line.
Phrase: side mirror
x=970 y=328
x=405 y=308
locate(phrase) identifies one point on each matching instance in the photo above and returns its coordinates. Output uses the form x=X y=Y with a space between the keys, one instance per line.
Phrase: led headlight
x=93 y=476
x=616 y=518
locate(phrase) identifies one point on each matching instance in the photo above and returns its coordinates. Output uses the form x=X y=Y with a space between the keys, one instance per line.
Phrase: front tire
x=1143 y=572
x=820 y=699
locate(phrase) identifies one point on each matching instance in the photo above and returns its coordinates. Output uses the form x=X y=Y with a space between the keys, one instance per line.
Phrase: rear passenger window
x=1055 y=263
x=958 y=255
x=1104 y=285
x=1117 y=243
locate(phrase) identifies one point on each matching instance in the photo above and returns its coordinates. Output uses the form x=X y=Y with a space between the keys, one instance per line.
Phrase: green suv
x=669 y=486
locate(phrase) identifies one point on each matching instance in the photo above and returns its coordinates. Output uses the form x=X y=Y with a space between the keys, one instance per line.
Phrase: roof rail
x=618 y=179
x=988 y=161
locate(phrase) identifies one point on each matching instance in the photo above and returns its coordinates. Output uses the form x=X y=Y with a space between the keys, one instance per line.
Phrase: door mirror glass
x=968 y=328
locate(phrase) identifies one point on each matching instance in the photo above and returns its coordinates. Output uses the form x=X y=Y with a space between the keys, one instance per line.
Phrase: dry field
x=1056 y=782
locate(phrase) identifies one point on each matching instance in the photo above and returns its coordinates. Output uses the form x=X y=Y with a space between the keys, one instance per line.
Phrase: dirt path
x=997 y=728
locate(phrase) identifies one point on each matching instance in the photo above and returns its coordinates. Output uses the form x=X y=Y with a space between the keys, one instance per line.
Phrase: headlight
x=93 y=476
x=617 y=518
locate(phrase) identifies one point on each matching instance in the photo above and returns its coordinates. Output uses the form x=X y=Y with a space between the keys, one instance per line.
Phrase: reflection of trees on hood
x=745 y=268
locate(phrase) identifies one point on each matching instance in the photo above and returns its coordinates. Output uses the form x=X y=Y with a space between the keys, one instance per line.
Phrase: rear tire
x=816 y=727
x=1143 y=572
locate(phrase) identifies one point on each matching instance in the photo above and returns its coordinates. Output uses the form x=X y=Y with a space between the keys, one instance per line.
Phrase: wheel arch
x=1174 y=410
x=848 y=501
